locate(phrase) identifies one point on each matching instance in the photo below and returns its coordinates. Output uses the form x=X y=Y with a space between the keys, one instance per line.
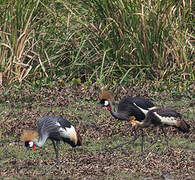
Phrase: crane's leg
x=56 y=146
x=166 y=138
x=135 y=136
x=57 y=161
x=154 y=141
x=134 y=123
x=142 y=143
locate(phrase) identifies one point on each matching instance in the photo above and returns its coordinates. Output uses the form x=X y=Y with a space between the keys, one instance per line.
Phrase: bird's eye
x=31 y=144
x=102 y=101
x=106 y=103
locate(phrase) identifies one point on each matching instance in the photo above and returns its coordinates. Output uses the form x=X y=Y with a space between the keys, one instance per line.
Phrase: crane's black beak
x=101 y=105
x=27 y=148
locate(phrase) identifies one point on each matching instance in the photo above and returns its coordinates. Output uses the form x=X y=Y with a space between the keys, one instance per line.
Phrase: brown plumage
x=183 y=126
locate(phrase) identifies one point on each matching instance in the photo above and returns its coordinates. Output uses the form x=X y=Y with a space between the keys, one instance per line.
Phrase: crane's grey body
x=129 y=106
x=56 y=128
x=165 y=117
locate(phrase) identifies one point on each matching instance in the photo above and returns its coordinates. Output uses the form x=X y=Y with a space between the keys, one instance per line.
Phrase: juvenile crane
x=163 y=117
x=129 y=108
x=54 y=128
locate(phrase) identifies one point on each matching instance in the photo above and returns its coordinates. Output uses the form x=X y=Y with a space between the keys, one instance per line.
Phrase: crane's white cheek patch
x=106 y=103
x=31 y=144
x=171 y=121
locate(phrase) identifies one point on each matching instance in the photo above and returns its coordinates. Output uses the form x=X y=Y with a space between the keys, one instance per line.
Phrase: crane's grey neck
x=118 y=115
x=41 y=141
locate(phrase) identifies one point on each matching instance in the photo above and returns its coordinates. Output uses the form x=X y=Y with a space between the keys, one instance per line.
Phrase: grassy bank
x=115 y=42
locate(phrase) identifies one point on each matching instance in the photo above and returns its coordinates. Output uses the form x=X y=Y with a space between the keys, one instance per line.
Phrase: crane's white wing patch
x=30 y=144
x=68 y=133
x=143 y=110
x=171 y=121
x=58 y=124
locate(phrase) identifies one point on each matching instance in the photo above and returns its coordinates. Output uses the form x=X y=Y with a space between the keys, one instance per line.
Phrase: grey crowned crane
x=163 y=117
x=54 y=128
x=129 y=108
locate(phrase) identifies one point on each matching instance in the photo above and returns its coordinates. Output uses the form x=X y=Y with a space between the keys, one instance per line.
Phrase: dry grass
x=102 y=41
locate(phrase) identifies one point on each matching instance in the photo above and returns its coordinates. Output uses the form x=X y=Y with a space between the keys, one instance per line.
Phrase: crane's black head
x=29 y=137
x=29 y=145
x=106 y=97
x=105 y=103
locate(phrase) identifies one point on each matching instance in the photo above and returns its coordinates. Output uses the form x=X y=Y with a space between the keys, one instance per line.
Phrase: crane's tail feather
x=184 y=127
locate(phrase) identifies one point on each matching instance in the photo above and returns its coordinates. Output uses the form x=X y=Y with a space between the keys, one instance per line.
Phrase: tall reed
x=117 y=41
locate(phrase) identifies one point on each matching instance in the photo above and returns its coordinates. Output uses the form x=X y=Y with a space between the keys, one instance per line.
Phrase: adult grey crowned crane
x=128 y=107
x=54 y=128
x=163 y=117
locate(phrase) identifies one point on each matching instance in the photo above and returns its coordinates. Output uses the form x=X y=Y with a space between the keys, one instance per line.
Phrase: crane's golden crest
x=107 y=95
x=29 y=135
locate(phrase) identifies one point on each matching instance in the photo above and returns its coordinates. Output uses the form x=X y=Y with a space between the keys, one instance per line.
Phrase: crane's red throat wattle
x=108 y=108
x=34 y=147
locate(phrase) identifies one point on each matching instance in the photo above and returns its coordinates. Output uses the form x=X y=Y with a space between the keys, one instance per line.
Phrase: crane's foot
x=132 y=118
x=118 y=146
x=58 y=166
x=134 y=122
x=45 y=171
x=153 y=142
